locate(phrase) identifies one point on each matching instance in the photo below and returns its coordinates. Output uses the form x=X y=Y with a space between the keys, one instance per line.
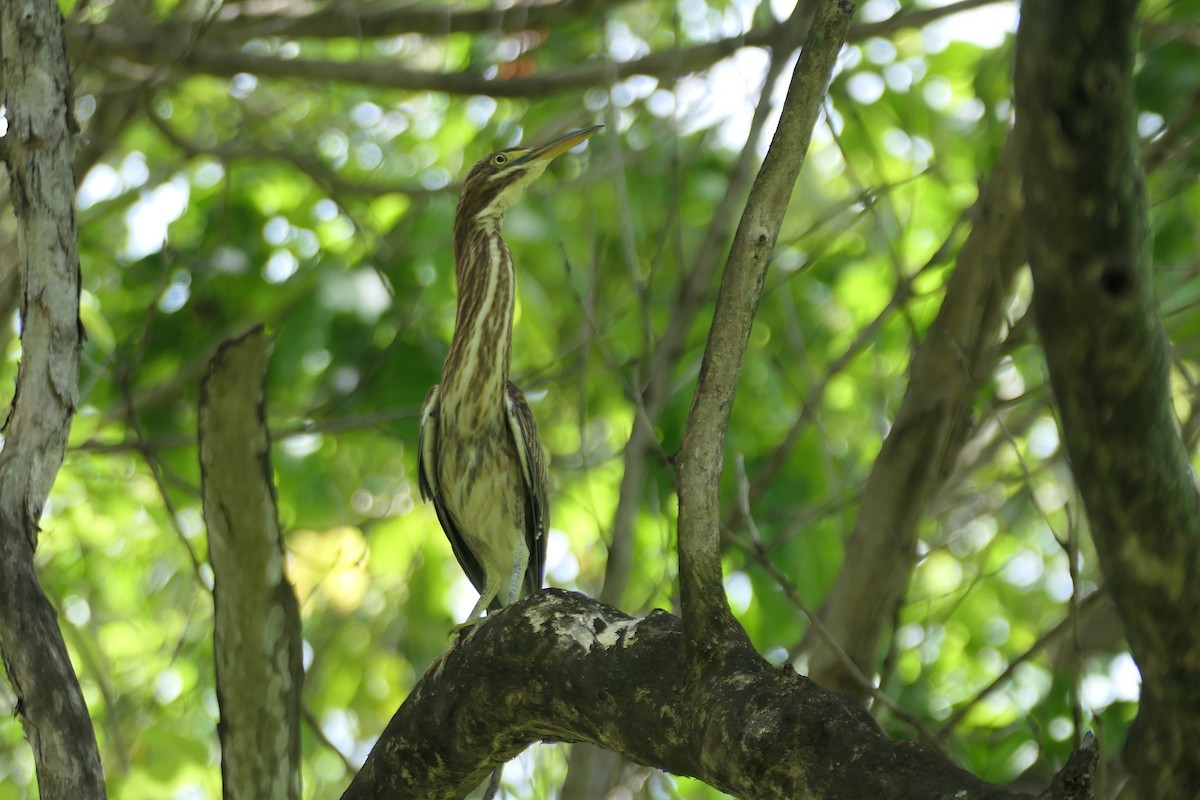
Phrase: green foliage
x=324 y=209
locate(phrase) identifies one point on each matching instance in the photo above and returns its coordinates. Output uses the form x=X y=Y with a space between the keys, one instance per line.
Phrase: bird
x=480 y=461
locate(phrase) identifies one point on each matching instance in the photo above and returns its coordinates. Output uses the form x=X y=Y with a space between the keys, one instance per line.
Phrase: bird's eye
x=499 y=159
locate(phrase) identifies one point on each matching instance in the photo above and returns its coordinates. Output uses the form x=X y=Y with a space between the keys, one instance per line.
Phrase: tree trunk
x=39 y=151
x=1089 y=250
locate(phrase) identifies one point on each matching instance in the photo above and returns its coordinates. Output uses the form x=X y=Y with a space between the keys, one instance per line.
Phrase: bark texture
x=709 y=623
x=39 y=150
x=561 y=667
x=257 y=619
x=1088 y=235
x=926 y=438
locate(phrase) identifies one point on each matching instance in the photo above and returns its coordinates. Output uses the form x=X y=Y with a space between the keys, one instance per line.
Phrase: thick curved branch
x=194 y=48
x=102 y=43
x=561 y=667
x=256 y=642
x=372 y=20
x=39 y=150
x=707 y=618
x=929 y=431
x=1088 y=233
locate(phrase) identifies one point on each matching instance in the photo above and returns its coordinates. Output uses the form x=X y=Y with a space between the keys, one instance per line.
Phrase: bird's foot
x=458 y=629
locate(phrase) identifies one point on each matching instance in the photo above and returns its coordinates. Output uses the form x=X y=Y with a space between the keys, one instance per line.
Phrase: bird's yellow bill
x=560 y=145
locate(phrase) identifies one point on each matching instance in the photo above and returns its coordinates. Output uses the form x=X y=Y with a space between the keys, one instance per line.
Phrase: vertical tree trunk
x=39 y=151
x=1089 y=252
x=256 y=639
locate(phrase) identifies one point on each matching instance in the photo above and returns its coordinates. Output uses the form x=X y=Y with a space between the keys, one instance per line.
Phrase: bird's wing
x=427 y=445
x=533 y=470
x=427 y=481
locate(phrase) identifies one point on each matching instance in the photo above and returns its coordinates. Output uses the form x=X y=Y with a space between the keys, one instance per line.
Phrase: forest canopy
x=896 y=476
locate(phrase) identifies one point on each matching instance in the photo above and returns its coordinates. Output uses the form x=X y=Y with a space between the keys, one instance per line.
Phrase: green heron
x=480 y=460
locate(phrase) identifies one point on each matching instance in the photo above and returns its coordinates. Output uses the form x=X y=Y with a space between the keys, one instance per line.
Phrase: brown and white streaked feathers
x=480 y=460
x=523 y=441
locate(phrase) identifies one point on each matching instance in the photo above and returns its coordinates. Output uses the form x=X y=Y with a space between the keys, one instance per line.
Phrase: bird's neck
x=476 y=368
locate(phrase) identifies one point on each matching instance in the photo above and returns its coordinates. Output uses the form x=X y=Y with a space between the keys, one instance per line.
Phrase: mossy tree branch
x=559 y=666
x=1089 y=250
x=256 y=626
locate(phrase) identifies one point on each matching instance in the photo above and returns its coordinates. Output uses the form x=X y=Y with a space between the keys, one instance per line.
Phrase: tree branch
x=256 y=641
x=102 y=43
x=179 y=46
x=39 y=150
x=561 y=667
x=708 y=621
x=1095 y=309
x=694 y=290
x=370 y=20
x=927 y=435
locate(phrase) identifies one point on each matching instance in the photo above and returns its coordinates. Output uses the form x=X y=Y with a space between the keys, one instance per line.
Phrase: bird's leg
x=490 y=588
x=520 y=564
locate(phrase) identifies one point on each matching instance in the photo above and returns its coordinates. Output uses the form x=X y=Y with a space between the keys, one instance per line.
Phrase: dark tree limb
x=104 y=43
x=1089 y=252
x=955 y=358
x=194 y=48
x=257 y=620
x=561 y=667
x=39 y=150
x=365 y=20
x=708 y=622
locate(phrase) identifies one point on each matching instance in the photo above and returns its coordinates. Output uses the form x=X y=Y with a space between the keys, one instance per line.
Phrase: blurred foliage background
x=230 y=174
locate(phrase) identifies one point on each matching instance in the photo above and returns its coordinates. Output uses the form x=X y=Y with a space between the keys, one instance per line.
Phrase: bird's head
x=496 y=182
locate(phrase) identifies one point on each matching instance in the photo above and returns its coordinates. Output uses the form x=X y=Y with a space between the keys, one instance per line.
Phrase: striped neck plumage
x=477 y=365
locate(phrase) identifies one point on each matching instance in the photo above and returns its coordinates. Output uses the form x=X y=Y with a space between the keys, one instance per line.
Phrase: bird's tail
x=493 y=787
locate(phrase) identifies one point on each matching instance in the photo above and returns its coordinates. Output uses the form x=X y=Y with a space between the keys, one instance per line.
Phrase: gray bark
x=39 y=150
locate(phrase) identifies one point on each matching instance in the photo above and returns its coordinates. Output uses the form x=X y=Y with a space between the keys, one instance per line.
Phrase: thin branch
x=927 y=435
x=757 y=551
x=314 y=724
x=694 y=290
x=308 y=428
x=866 y=336
x=1063 y=629
x=325 y=177
x=911 y=17
x=156 y=472
x=708 y=623
x=103 y=43
x=371 y=20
